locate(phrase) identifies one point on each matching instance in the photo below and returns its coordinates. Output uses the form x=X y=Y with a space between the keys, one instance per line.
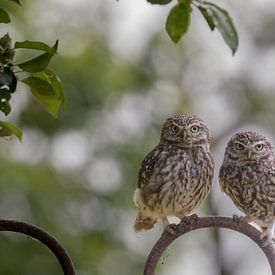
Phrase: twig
x=39 y=234
x=193 y=223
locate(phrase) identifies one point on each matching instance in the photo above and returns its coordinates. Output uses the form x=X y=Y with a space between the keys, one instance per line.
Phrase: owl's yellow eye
x=239 y=146
x=174 y=128
x=194 y=129
x=259 y=146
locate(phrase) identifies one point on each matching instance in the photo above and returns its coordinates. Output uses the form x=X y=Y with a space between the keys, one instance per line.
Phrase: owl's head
x=185 y=131
x=248 y=146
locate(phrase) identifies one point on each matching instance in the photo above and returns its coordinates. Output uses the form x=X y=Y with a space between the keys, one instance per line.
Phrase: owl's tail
x=143 y=222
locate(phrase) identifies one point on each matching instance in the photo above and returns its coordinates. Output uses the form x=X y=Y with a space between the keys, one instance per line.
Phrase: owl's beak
x=183 y=134
x=249 y=154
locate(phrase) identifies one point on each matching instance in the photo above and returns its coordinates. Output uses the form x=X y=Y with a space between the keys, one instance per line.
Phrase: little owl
x=247 y=176
x=176 y=176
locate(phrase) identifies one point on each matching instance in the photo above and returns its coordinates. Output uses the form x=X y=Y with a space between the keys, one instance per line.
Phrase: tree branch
x=193 y=223
x=48 y=240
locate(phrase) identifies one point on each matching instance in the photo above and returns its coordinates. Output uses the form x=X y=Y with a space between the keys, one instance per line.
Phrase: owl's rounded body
x=251 y=187
x=247 y=176
x=174 y=179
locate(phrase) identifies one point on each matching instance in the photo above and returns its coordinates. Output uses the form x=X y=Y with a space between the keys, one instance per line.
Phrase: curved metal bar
x=44 y=237
x=193 y=223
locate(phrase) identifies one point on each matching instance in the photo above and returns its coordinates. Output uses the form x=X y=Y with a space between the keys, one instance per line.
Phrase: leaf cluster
x=179 y=18
x=44 y=84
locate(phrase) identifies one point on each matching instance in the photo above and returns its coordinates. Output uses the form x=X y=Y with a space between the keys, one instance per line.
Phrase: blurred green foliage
x=52 y=199
x=74 y=176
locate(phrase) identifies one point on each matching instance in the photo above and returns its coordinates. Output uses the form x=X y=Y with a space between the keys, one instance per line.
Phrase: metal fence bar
x=44 y=237
x=193 y=223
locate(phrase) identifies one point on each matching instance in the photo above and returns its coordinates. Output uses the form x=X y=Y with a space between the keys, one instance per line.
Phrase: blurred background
x=122 y=77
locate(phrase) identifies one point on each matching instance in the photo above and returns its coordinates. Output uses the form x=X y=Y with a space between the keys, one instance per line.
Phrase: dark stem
x=193 y=223
x=48 y=240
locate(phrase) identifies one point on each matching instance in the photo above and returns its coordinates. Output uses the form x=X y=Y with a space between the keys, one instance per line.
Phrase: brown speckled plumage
x=247 y=176
x=177 y=174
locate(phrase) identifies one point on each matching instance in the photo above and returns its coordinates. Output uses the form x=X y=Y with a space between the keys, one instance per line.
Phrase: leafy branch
x=44 y=84
x=194 y=222
x=179 y=18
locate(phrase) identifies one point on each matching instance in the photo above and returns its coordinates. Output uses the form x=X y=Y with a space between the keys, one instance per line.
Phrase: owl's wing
x=147 y=166
x=221 y=178
x=271 y=173
x=269 y=187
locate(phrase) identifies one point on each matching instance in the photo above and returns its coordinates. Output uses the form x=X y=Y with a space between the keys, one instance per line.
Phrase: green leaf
x=178 y=20
x=207 y=17
x=16 y=1
x=35 y=45
x=4 y=17
x=8 y=129
x=50 y=76
x=46 y=88
x=224 y=24
x=160 y=2
x=38 y=63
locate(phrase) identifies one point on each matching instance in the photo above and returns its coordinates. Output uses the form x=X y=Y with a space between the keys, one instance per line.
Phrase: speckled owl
x=176 y=176
x=247 y=176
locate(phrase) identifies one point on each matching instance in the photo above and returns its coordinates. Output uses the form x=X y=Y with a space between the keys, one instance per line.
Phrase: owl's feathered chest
x=247 y=174
x=180 y=179
x=248 y=186
x=242 y=176
x=176 y=165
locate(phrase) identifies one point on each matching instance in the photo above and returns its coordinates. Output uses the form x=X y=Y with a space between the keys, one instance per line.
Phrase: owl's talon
x=171 y=229
x=189 y=219
x=194 y=217
x=264 y=244
x=237 y=218
x=268 y=235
